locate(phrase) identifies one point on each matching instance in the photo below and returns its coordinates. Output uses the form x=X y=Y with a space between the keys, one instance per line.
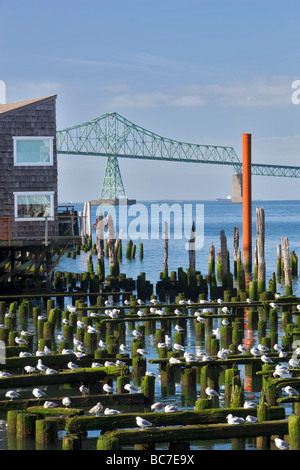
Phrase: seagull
x=273 y=305
x=102 y=344
x=263 y=348
x=161 y=345
x=4 y=374
x=72 y=365
x=79 y=354
x=178 y=312
x=242 y=348
x=130 y=388
x=71 y=308
x=173 y=360
x=12 y=394
x=234 y=419
x=294 y=362
x=211 y=392
x=65 y=321
x=38 y=393
x=97 y=364
x=225 y=322
x=50 y=404
x=255 y=352
x=291 y=391
x=158 y=406
x=171 y=409
x=200 y=319
x=278 y=348
x=110 y=411
x=178 y=347
x=143 y=423
x=137 y=334
x=154 y=301
x=67 y=351
x=29 y=369
x=226 y=310
x=19 y=340
x=203 y=301
x=120 y=363
x=40 y=366
x=298 y=307
x=207 y=358
x=222 y=355
x=83 y=389
x=141 y=351
x=140 y=313
x=250 y=404
x=126 y=302
x=124 y=348
x=220 y=301
x=50 y=371
x=66 y=402
x=47 y=350
x=140 y=302
x=91 y=329
x=266 y=359
x=251 y=419
x=281 y=444
x=108 y=389
x=80 y=324
x=249 y=301
x=182 y=302
x=24 y=353
x=109 y=364
x=81 y=348
x=96 y=409
x=151 y=374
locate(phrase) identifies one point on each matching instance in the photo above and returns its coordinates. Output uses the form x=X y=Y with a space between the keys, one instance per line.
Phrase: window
x=33 y=151
x=34 y=205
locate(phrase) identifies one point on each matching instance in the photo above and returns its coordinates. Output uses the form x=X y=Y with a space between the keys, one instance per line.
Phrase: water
x=282 y=219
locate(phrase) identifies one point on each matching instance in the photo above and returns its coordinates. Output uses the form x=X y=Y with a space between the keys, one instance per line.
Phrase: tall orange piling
x=247 y=204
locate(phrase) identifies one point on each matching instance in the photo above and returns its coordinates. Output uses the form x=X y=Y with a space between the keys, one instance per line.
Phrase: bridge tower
x=112 y=186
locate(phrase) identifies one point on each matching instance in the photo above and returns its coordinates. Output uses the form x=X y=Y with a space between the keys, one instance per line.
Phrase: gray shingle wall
x=35 y=119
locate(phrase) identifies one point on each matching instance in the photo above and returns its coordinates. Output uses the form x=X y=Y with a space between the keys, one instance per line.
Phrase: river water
x=144 y=222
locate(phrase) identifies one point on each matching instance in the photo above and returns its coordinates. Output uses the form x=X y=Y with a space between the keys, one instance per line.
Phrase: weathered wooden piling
x=261 y=268
x=287 y=266
x=72 y=442
x=46 y=433
x=211 y=260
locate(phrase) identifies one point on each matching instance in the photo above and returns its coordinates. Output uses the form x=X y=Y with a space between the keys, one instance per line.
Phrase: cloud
x=257 y=92
x=154 y=99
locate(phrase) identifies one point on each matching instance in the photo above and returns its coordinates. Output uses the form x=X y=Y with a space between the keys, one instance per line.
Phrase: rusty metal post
x=247 y=204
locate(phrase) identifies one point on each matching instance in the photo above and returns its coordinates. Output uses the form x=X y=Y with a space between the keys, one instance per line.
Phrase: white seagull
x=143 y=423
x=110 y=411
x=66 y=401
x=291 y=391
x=108 y=389
x=96 y=409
x=12 y=394
x=171 y=409
x=50 y=404
x=211 y=392
x=234 y=419
x=83 y=389
x=130 y=388
x=38 y=393
x=281 y=444
x=251 y=419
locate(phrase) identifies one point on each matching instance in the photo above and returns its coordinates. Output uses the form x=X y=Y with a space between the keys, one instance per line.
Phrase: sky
x=198 y=71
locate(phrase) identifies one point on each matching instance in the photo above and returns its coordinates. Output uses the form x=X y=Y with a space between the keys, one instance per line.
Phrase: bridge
x=113 y=136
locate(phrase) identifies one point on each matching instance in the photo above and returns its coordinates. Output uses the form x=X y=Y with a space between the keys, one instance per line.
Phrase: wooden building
x=29 y=212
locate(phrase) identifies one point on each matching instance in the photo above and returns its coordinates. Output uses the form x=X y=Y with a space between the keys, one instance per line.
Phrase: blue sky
x=201 y=71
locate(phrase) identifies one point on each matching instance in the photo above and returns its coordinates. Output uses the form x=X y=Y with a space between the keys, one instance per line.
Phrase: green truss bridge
x=113 y=136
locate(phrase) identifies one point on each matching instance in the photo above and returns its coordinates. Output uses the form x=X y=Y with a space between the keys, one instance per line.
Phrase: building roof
x=11 y=107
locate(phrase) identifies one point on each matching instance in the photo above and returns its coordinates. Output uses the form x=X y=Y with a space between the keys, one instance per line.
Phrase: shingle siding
x=37 y=118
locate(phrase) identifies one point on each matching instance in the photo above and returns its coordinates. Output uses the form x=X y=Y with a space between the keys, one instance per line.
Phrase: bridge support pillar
x=237 y=193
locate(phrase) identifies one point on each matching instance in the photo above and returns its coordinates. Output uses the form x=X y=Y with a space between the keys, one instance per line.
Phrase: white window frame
x=33 y=193
x=16 y=138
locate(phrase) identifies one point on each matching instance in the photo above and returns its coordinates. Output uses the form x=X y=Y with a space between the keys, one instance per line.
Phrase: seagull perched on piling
x=50 y=404
x=291 y=391
x=142 y=351
x=273 y=305
x=12 y=394
x=108 y=389
x=96 y=409
x=137 y=334
x=66 y=401
x=211 y=392
x=130 y=388
x=171 y=409
x=226 y=310
x=158 y=406
x=281 y=444
x=124 y=348
x=38 y=393
x=83 y=389
x=72 y=365
x=110 y=411
x=29 y=369
x=234 y=419
x=251 y=419
x=178 y=312
x=266 y=359
x=143 y=423
x=178 y=347
x=19 y=340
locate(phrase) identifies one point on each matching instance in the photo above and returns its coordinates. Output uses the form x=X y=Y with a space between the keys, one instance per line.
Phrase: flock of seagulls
x=259 y=351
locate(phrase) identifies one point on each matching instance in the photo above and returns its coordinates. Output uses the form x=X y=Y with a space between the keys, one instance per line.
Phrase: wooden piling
x=261 y=269
x=287 y=266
